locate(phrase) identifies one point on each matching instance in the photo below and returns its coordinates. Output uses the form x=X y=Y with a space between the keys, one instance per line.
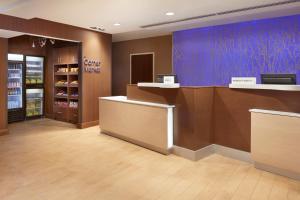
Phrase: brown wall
x=219 y=115
x=3 y=86
x=22 y=45
x=162 y=48
x=95 y=46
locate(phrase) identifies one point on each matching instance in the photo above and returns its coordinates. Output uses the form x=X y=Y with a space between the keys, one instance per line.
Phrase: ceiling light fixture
x=52 y=41
x=170 y=13
x=93 y=27
x=117 y=24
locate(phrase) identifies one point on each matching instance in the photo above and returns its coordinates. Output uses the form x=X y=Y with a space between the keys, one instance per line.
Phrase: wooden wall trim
x=4 y=132
x=88 y=124
x=3 y=84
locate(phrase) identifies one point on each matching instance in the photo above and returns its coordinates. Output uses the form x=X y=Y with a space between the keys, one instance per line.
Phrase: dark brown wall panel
x=3 y=86
x=162 y=48
x=157 y=95
x=193 y=117
x=94 y=85
x=23 y=45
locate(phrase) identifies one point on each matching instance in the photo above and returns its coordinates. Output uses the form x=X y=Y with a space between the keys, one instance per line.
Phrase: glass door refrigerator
x=15 y=88
x=34 y=87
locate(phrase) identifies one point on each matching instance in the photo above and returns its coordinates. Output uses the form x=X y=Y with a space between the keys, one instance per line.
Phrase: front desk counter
x=143 y=123
x=215 y=115
x=275 y=140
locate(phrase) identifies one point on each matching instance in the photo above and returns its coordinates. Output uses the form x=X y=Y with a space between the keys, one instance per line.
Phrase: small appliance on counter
x=166 y=78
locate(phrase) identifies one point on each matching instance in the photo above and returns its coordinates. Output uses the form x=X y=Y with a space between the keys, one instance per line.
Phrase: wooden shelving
x=66 y=86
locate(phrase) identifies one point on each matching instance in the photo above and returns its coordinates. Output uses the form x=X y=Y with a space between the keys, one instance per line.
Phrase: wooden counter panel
x=123 y=120
x=282 y=152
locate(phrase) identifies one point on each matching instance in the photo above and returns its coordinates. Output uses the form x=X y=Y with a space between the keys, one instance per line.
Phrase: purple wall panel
x=212 y=55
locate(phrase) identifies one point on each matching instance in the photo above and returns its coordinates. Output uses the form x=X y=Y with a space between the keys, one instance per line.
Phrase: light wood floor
x=48 y=160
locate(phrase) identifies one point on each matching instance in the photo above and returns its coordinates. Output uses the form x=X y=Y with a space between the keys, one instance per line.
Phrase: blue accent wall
x=210 y=56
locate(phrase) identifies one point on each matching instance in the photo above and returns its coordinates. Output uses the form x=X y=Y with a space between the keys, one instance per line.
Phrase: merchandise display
x=62 y=69
x=62 y=82
x=74 y=82
x=61 y=104
x=73 y=104
x=61 y=93
x=74 y=69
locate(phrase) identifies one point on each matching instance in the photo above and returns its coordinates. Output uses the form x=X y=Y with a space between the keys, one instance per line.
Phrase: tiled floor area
x=49 y=160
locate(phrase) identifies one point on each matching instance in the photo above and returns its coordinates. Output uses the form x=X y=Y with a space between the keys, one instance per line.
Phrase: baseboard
x=193 y=155
x=49 y=116
x=88 y=124
x=3 y=132
x=211 y=149
x=233 y=153
x=278 y=171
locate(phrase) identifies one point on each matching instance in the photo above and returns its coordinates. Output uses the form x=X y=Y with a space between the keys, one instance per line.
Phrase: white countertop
x=266 y=87
x=159 y=85
x=125 y=100
x=274 y=112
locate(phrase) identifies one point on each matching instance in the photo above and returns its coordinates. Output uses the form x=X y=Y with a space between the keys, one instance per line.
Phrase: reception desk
x=215 y=115
x=144 y=123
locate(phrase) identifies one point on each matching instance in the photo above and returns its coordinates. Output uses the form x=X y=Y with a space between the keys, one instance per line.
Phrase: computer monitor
x=279 y=79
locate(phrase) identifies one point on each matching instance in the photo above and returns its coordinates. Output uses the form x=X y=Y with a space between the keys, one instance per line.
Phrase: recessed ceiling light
x=170 y=13
x=117 y=24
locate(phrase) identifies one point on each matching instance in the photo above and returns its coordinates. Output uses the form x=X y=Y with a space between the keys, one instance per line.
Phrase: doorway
x=141 y=68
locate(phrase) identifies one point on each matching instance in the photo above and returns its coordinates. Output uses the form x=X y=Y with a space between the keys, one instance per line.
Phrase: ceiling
x=132 y=14
x=9 y=34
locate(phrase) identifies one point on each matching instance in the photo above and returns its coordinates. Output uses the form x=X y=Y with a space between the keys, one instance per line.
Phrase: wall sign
x=91 y=66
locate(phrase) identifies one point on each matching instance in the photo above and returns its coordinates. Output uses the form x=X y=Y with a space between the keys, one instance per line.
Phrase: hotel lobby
x=169 y=100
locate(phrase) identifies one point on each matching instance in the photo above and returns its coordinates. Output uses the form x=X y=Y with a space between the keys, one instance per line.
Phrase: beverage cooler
x=15 y=88
x=34 y=72
x=25 y=87
x=34 y=103
x=34 y=86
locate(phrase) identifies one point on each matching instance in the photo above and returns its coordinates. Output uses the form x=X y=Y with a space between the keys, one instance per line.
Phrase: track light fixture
x=41 y=42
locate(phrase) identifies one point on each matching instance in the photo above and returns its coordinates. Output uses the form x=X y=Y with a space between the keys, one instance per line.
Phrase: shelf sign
x=91 y=66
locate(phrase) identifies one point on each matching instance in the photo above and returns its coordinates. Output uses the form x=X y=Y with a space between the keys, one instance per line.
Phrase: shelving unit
x=66 y=92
